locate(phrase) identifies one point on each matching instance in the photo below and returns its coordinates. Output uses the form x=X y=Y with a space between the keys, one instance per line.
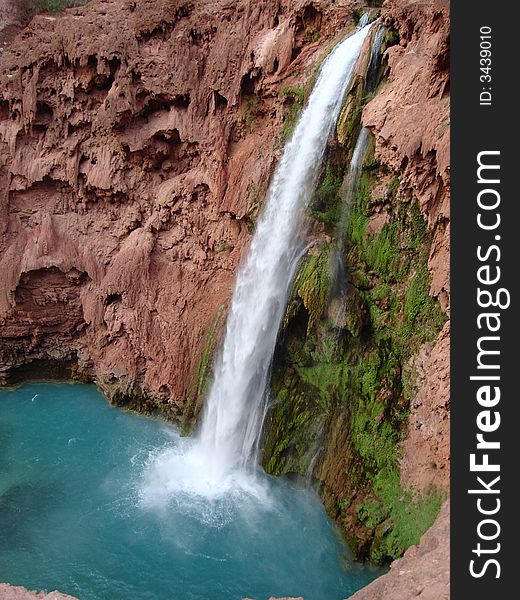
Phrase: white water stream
x=218 y=459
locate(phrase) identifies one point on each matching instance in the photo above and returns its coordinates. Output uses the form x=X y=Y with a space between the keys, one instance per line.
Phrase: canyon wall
x=136 y=141
x=411 y=121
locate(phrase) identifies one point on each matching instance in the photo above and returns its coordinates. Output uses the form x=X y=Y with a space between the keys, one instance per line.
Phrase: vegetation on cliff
x=54 y=6
x=343 y=361
x=343 y=378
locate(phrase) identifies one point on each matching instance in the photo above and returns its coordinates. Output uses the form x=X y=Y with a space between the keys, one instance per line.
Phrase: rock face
x=14 y=15
x=423 y=572
x=136 y=141
x=10 y=592
x=410 y=118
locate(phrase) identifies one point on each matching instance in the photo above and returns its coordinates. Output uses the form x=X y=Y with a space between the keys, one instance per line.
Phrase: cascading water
x=364 y=20
x=354 y=169
x=358 y=155
x=218 y=458
x=234 y=408
x=337 y=265
x=375 y=58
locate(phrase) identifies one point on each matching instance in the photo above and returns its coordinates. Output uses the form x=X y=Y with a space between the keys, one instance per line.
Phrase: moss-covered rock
x=201 y=379
x=340 y=400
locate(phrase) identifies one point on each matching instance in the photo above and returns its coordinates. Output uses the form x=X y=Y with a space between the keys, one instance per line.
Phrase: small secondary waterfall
x=354 y=170
x=337 y=266
x=234 y=410
x=358 y=155
x=375 y=57
x=216 y=462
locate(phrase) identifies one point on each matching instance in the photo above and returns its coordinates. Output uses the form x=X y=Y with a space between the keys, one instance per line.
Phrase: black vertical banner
x=485 y=195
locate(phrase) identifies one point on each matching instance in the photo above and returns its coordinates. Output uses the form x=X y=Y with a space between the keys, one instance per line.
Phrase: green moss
x=391 y=39
x=296 y=100
x=54 y=6
x=416 y=230
x=357 y=219
x=290 y=119
x=349 y=121
x=312 y=36
x=323 y=376
x=381 y=251
x=405 y=517
x=328 y=379
x=358 y=226
x=312 y=285
x=325 y=206
x=201 y=380
x=294 y=421
x=223 y=246
x=251 y=104
x=357 y=13
x=421 y=311
x=397 y=518
x=394 y=186
x=296 y=92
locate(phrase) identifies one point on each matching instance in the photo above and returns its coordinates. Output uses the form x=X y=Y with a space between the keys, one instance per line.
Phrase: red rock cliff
x=410 y=118
x=136 y=139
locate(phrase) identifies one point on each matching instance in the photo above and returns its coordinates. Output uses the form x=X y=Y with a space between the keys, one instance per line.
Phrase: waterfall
x=364 y=20
x=375 y=58
x=356 y=162
x=358 y=155
x=234 y=410
x=226 y=443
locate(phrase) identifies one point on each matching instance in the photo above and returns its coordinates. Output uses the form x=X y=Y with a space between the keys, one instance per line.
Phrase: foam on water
x=179 y=475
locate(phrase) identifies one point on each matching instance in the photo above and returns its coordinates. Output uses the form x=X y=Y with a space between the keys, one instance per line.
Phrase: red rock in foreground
x=11 y=592
x=423 y=572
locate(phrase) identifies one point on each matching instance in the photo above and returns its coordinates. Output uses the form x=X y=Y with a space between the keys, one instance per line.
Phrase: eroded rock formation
x=14 y=16
x=410 y=118
x=136 y=141
x=11 y=592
